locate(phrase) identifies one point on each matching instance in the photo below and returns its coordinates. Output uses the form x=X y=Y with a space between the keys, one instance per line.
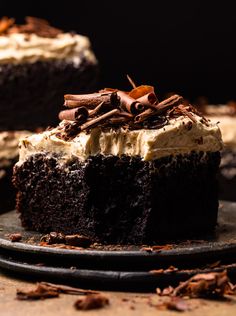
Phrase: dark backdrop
x=183 y=46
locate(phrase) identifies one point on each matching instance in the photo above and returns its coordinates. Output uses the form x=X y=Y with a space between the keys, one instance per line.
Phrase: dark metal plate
x=112 y=280
x=220 y=246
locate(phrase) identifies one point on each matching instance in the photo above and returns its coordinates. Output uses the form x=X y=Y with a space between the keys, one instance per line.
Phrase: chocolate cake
x=38 y=64
x=225 y=115
x=121 y=168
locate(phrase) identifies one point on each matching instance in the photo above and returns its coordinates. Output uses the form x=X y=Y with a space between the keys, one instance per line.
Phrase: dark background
x=183 y=46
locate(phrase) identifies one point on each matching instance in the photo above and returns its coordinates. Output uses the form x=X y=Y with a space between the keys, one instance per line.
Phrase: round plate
x=221 y=245
x=112 y=280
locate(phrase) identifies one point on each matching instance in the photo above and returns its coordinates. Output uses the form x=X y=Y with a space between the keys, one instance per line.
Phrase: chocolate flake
x=36 y=26
x=41 y=292
x=78 y=240
x=53 y=238
x=93 y=301
x=203 y=285
x=15 y=237
x=46 y=290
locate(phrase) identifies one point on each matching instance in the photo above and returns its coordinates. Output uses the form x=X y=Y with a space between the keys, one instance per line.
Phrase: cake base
x=120 y=199
x=31 y=92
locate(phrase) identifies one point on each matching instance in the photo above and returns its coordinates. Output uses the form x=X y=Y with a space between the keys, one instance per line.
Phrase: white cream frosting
x=9 y=146
x=174 y=138
x=19 y=48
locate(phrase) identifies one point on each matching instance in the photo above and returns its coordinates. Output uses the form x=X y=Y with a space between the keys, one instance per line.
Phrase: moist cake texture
x=121 y=168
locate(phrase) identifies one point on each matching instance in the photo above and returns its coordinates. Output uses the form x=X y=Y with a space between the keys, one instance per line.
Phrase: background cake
x=38 y=64
x=225 y=116
x=121 y=168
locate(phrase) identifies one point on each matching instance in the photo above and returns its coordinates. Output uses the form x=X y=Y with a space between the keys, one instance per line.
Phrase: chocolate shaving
x=91 y=100
x=148 y=100
x=97 y=120
x=46 y=290
x=93 y=301
x=161 y=107
x=71 y=240
x=53 y=238
x=76 y=114
x=131 y=82
x=5 y=24
x=15 y=237
x=109 y=108
x=68 y=289
x=36 y=26
x=78 y=240
x=41 y=292
x=130 y=104
x=203 y=285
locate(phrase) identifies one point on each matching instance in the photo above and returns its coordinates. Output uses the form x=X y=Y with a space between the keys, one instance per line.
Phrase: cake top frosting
x=135 y=123
x=112 y=109
x=38 y=41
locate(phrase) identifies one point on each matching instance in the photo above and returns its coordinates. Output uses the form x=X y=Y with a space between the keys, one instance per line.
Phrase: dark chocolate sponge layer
x=227 y=175
x=120 y=200
x=31 y=92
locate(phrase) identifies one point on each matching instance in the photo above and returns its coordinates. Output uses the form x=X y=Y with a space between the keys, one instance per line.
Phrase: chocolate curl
x=130 y=104
x=5 y=24
x=185 y=111
x=96 y=110
x=91 y=100
x=169 y=103
x=140 y=91
x=148 y=100
x=119 y=120
x=76 y=114
x=161 y=107
x=131 y=82
x=97 y=120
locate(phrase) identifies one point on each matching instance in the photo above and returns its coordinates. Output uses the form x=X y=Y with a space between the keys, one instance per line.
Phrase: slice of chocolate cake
x=121 y=168
x=38 y=65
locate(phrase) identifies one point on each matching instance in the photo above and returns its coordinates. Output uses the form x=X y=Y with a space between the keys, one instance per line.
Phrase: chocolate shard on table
x=38 y=65
x=133 y=171
x=225 y=116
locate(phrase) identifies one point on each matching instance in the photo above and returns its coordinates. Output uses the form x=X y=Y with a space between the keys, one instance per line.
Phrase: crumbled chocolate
x=58 y=239
x=33 y=25
x=78 y=240
x=204 y=285
x=68 y=289
x=45 y=290
x=15 y=237
x=5 y=24
x=93 y=301
x=111 y=108
x=157 y=248
x=41 y=292
x=53 y=238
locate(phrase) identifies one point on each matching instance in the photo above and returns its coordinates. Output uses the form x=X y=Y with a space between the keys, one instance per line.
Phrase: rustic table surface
x=120 y=303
